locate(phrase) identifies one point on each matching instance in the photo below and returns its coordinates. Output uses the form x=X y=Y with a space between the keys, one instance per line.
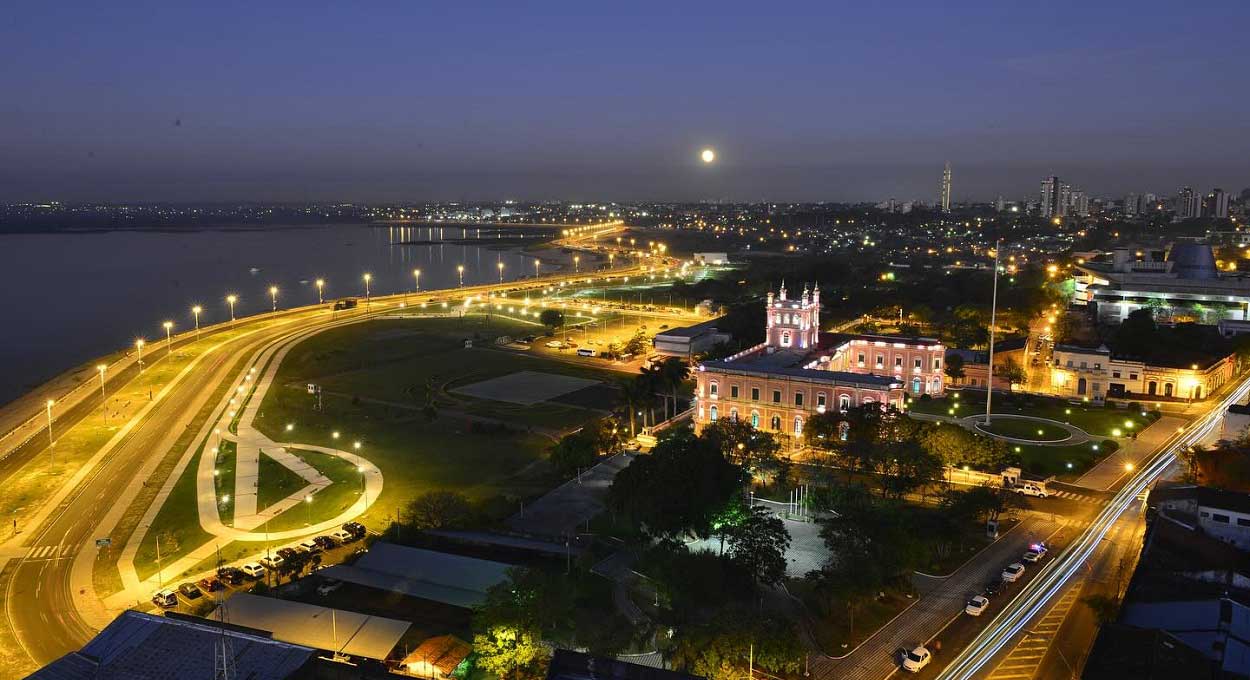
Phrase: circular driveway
x=1075 y=434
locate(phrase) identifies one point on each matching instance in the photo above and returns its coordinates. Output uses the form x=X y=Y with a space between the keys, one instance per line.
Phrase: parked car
x=915 y=660
x=343 y=536
x=272 y=563
x=325 y=542
x=1031 y=557
x=554 y=344
x=287 y=553
x=190 y=591
x=1013 y=572
x=253 y=570
x=356 y=528
x=230 y=575
x=210 y=585
x=166 y=598
x=976 y=606
x=528 y=339
x=308 y=545
x=994 y=587
x=329 y=586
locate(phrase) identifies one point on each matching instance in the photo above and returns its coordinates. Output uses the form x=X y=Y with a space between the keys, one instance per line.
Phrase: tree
x=552 y=319
x=439 y=509
x=510 y=653
x=954 y=368
x=634 y=393
x=679 y=488
x=718 y=648
x=638 y=343
x=1011 y=372
x=741 y=443
x=906 y=467
x=673 y=373
x=574 y=452
x=954 y=445
x=759 y=545
x=981 y=503
x=1106 y=608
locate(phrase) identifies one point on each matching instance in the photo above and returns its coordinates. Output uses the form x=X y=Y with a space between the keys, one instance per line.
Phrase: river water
x=72 y=296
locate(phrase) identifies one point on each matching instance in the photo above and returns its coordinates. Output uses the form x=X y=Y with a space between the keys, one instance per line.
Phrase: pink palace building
x=798 y=371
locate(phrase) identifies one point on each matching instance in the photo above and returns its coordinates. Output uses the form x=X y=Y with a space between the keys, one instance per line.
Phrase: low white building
x=711 y=258
x=688 y=341
x=1221 y=514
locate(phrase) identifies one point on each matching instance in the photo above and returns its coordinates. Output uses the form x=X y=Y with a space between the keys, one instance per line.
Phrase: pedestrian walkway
x=1110 y=470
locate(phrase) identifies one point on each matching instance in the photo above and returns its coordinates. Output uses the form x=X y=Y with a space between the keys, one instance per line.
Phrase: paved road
x=49 y=605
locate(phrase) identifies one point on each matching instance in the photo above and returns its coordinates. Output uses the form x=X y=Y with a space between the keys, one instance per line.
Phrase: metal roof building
x=138 y=645
x=333 y=630
x=427 y=574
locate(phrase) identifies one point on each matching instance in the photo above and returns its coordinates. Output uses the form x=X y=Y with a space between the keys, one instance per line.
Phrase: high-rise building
x=946 y=188
x=1051 y=203
x=1132 y=205
x=1188 y=204
x=1216 y=204
x=1078 y=203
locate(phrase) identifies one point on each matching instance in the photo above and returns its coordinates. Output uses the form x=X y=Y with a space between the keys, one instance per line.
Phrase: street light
x=103 y=399
x=49 y=405
x=195 y=311
x=273 y=295
x=416 y=273
x=500 y=266
x=368 y=277
x=577 y=259
x=321 y=283
x=308 y=504
x=460 y=270
x=139 y=347
x=232 y=298
x=535 y=267
x=168 y=326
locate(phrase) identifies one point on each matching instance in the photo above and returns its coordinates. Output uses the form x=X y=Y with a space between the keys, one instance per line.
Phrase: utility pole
x=989 y=384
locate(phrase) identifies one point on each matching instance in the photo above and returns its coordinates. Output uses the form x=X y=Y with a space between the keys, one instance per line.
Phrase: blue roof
x=139 y=645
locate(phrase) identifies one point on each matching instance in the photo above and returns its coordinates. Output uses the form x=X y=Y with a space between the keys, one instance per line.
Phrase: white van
x=587 y=352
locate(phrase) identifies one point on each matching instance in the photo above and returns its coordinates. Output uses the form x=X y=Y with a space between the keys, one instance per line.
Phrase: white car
x=329 y=586
x=976 y=606
x=915 y=660
x=343 y=536
x=555 y=344
x=1031 y=490
x=1032 y=557
x=1013 y=572
x=253 y=570
x=273 y=562
x=308 y=546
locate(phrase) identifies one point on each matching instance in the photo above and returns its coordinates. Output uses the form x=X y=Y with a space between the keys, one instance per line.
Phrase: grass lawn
x=177 y=524
x=224 y=480
x=1026 y=429
x=1097 y=420
x=276 y=481
x=1064 y=462
x=328 y=502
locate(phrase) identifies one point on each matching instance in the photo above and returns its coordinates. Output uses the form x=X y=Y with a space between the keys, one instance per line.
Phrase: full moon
x=708 y=155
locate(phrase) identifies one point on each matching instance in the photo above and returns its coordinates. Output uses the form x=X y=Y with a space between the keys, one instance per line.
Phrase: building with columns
x=798 y=371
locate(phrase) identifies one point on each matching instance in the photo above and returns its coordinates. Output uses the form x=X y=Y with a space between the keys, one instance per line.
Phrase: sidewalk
x=1111 y=469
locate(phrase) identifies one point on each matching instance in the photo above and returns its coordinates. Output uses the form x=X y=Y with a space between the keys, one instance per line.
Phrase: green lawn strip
x=1096 y=420
x=276 y=482
x=177 y=523
x=1053 y=460
x=326 y=503
x=414 y=455
x=227 y=462
x=1026 y=429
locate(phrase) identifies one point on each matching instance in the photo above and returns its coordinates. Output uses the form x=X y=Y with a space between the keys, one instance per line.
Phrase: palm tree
x=633 y=392
x=673 y=372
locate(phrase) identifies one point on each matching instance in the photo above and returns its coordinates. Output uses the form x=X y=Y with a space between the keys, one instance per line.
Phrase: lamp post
x=989 y=384
x=49 y=405
x=103 y=399
x=368 y=277
x=273 y=295
x=535 y=267
x=232 y=298
x=576 y=263
x=460 y=271
x=139 y=348
x=195 y=311
x=321 y=284
x=168 y=326
x=308 y=504
x=500 y=266
x=416 y=274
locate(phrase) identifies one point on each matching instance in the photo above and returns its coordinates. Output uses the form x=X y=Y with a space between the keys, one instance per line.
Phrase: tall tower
x=793 y=323
x=946 y=188
x=1052 y=200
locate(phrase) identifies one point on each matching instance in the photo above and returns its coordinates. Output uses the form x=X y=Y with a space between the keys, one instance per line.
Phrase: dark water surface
x=74 y=296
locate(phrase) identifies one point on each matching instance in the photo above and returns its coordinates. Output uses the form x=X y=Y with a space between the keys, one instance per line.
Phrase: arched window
x=843 y=428
x=755 y=418
x=798 y=425
x=844 y=403
x=915 y=385
x=776 y=423
x=712 y=414
x=1167 y=389
x=733 y=414
x=785 y=339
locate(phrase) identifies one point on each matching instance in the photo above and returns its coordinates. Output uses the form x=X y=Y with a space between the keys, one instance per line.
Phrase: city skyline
x=490 y=103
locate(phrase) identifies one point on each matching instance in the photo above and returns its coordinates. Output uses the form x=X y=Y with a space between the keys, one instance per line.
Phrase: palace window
x=798 y=426
x=880 y=361
x=755 y=394
x=898 y=362
x=861 y=360
x=712 y=414
x=798 y=398
x=785 y=339
x=916 y=365
x=733 y=414
x=776 y=396
x=915 y=385
x=776 y=422
x=820 y=399
x=733 y=391
x=755 y=418
x=844 y=403
x=937 y=364
x=711 y=388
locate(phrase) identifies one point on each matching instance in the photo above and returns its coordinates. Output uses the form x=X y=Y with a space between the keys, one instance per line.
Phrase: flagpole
x=989 y=384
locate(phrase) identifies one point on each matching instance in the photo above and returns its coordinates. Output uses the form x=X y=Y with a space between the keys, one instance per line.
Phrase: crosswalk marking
x=1026 y=657
x=1080 y=497
x=49 y=552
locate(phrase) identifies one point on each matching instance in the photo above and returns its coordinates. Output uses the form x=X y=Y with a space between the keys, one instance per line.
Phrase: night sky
x=391 y=101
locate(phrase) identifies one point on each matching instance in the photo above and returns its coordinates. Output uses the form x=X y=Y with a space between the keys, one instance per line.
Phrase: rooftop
x=570 y=665
x=335 y=630
x=427 y=574
x=138 y=645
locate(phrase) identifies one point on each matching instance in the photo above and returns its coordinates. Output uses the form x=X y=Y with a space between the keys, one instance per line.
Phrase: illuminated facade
x=798 y=371
x=1094 y=374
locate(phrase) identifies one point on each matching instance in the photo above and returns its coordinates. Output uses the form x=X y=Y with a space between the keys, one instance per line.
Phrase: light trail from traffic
x=1052 y=578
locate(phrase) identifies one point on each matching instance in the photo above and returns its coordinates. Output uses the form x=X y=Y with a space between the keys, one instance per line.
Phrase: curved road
x=42 y=606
